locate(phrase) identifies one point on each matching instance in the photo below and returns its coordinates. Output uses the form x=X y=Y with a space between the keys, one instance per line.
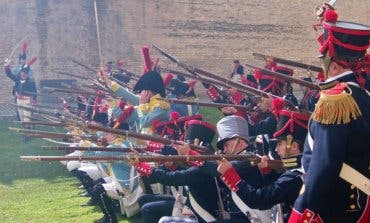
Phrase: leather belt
x=354 y=177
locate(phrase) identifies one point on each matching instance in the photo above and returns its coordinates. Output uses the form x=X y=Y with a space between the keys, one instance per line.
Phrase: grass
x=45 y=191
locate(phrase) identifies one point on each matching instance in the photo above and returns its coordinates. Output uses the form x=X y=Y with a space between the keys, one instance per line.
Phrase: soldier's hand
x=229 y=110
x=7 y=62
x=182 y=148
x=144 y=97
x=264 y=162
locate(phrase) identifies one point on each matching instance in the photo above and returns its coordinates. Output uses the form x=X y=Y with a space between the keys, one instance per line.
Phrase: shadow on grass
x=12 y=147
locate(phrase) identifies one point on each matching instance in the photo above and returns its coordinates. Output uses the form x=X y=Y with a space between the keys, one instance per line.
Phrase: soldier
x=148 y=107
x=181 y=90
x=336 y=154
x=153 y=207
x=122 y=74
x=290 y=134
x=310 y=97
x=238 y=71
x=270 y=84
x=24 y=90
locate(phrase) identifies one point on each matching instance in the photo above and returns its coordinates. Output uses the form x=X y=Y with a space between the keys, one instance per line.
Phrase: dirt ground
x=209 y=34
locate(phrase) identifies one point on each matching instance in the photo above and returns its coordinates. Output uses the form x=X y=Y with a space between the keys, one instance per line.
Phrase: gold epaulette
x=85 y=143
x=155 y=103
x=336 y=106
x=76 y=131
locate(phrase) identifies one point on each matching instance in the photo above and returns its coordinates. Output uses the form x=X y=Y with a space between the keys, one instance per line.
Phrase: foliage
x=45 y=191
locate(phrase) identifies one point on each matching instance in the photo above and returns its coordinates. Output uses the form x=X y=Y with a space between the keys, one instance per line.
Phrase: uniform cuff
x=231 y=178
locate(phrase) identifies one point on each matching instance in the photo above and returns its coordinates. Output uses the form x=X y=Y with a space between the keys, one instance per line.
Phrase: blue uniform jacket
x=330 y=145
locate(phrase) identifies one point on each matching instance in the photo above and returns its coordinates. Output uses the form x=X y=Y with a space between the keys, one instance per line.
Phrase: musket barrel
x=286 y=77
x=203 y=103
x=107 y=149
x=288 y=62
x=46 y=134
x=140 y=136
x=130 y=158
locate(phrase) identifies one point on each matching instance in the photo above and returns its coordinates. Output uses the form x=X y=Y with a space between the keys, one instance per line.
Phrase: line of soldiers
x=323 y=172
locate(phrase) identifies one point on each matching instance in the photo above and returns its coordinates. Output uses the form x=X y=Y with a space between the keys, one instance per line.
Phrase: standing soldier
x=24 y=89
x=238 y=71
x=336 y=157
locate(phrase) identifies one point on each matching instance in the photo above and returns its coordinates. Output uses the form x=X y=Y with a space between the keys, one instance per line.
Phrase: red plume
x=277 y=106
x=104 y=108
x=121 y=104
x=192 y=83
x=24 y=47
x=155 y=123
x=175 y=115
x=257 y=74
x=330 y=16
x=320 y=76
x=148 y=63
x=125 y=114
x=33 y=59
x=167 y=79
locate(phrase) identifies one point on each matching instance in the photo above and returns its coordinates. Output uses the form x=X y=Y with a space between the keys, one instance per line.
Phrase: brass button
x=352 y=206
x=305 y=221
x=352 y=196
x=353 y=187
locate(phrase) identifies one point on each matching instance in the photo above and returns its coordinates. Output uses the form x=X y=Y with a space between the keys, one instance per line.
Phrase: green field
x=44 y=191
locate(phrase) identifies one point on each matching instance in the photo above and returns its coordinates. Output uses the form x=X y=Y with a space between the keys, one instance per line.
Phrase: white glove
x=7 y=62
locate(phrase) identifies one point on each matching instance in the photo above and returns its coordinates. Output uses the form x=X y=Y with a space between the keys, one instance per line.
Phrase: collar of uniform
x=292 y=162
x=332 y=81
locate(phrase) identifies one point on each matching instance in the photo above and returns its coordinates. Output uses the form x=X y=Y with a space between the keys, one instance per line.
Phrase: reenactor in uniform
x=310 y=97
x=181 y=90
x=336 y=154
x=197 y=132
x=284 y=188
x=238 y=72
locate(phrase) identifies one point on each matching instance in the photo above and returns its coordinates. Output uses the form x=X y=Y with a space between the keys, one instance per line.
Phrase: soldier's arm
x=124 y=93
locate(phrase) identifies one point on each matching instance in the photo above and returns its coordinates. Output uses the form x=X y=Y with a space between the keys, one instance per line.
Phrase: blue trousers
x=154 y=206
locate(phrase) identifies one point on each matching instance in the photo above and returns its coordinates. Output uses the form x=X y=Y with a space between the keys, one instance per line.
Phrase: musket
x=173 y=59
x=201 y=79
x=196 y=72
x=203 y=103
x=72 y=91
x=55 y=135
x=130 y=158
x=131 y=74
x=104 y=149
x=83 y=65
x=73 y=75
x=287 y=62
x=120 y=82
x=65 y=116
x=40 y=123
x=288 y=78
x=48 y=107
x=213 y=82
x=141 y=136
